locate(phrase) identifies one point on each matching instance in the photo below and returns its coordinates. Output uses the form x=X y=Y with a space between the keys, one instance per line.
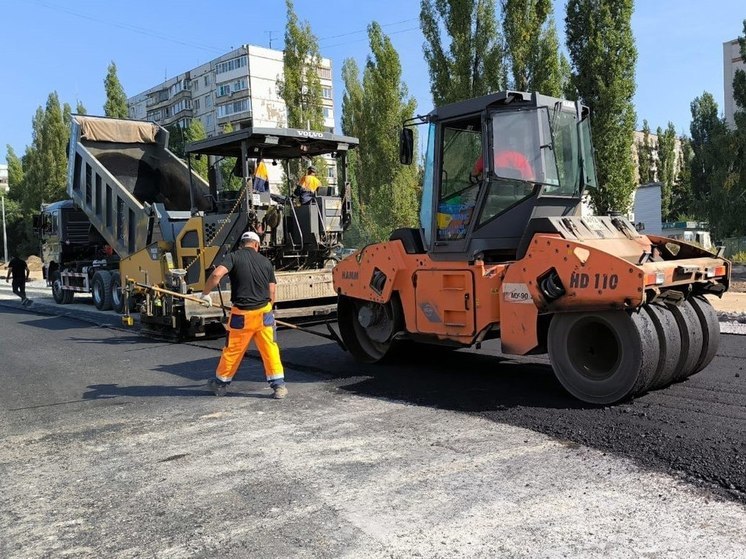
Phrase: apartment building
x=732 y=61
x=238 y=88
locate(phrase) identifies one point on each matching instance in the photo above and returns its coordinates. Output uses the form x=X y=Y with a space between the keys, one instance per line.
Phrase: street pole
x=5 y=234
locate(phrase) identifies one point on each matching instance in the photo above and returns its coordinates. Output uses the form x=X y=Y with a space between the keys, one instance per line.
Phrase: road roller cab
x=502 y=251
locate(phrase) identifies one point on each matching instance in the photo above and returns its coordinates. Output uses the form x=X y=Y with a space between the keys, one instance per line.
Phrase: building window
x=195 y=85
x=325 y=73
x=206 y=80
x=208 y=121
x=236 y=107
x=232 y=64
x=326 y=92
x=239 y=85
x=223 y=90
x=196 y=104
x=208 y=101
x=330 y=171
x=328 y=112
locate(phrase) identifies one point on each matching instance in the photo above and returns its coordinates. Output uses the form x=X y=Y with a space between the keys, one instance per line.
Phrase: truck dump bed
x=118 y=169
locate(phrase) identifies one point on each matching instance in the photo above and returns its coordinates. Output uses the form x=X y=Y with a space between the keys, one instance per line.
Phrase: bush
x=739 y=257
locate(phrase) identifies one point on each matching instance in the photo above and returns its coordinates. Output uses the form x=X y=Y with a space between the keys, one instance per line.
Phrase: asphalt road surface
x=111 y=447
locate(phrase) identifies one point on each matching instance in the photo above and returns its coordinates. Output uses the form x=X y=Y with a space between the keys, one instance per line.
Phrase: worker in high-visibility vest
x=261 y=177
x=308 y=186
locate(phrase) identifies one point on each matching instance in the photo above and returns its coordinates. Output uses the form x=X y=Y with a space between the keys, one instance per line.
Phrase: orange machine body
x=463 y=303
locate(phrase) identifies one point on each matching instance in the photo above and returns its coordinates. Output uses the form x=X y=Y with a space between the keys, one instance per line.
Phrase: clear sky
x=66 y=45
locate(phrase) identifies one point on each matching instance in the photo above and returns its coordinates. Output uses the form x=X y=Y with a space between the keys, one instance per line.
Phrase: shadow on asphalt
x=451 y=379
x=108 y=391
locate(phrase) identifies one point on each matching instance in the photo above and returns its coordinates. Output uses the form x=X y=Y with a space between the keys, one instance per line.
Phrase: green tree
x=352 y=125
x=469 y=63
x=532 y=47
x=387 y=192
x=711 y=166
x=80 y=109
x=667 y=167
x=603 y=56
x=682 y=197
x=737 y=186
x=645 y=158
x=300 y=86
x=40 y=176
x=116 y=100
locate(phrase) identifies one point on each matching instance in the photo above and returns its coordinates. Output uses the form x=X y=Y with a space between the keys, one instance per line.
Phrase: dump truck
x=138 y=217
x=503 y=252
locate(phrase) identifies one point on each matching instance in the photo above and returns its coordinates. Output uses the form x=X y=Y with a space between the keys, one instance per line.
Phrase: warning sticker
x=516 y=293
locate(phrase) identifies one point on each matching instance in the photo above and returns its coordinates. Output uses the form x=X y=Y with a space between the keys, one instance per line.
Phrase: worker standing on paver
x=253 y=288
x=18 y=268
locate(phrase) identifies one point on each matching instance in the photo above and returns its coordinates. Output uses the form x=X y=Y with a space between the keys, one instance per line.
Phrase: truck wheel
x=58 y=294
x=708 y=318
x=603 y=357
x=669 y=336
x=366 y=327
x=117 y=297
x=101 y=290
x=691 y=339
x=61 y=296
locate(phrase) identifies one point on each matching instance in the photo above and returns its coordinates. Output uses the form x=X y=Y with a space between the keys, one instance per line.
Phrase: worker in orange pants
x=253 y=288
x=243 y=326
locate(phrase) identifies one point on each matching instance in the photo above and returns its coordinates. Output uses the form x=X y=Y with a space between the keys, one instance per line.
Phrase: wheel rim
x=97 y=295
x=366 y=347
x=116 y=294
x=594 y=349
x=57 y=290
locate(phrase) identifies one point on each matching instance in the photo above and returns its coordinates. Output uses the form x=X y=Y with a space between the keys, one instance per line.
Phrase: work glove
x=205 y=298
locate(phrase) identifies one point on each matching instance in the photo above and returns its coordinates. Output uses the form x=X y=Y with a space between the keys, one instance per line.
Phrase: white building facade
x=239 y=88
x=732 y=61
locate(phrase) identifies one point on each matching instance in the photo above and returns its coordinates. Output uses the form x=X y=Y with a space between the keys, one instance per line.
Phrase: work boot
x=280 y=392
x=218 y=387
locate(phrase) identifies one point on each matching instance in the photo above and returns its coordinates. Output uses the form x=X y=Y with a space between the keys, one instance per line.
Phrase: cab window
x=459 y=187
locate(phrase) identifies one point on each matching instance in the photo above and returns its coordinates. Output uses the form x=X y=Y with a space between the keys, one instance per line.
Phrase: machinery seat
x=411 y=238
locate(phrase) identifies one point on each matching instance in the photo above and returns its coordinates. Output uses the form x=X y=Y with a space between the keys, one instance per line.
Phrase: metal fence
x=734 y=245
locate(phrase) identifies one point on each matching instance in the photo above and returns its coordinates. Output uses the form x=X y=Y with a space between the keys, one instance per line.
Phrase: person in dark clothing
x=253 y=287
x=18 y=268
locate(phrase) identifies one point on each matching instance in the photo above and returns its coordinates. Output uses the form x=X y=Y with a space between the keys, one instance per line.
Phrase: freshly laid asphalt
x=110 y=446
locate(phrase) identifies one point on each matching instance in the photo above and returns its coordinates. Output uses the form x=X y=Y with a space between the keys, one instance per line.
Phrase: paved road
x=110 y=446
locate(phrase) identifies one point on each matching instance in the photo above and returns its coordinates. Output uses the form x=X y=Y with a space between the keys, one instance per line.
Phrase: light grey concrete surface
x=112 y=448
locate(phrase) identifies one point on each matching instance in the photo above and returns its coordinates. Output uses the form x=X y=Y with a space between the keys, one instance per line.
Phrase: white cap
x=250 y=236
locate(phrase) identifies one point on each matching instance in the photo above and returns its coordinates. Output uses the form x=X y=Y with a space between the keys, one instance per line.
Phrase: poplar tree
x=300 y=86
x=40 y=176
x=603 y=56
x=666 y=167
x=712 y=168
x=645 y=158
x=682 y=198
x=352 y=125
x=387 y=192
x=739 y=139
x=116 y=100
x=468 y=62
x=532 y=47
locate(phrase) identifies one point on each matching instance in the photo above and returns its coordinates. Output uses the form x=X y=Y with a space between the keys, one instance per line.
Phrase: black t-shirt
x=250 y=273
x=18 y=269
